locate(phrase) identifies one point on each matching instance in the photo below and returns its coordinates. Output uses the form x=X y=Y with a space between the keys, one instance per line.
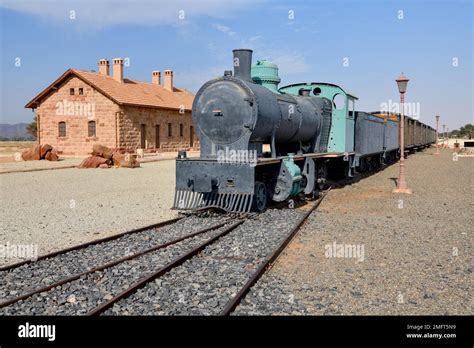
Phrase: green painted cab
x=341 y=136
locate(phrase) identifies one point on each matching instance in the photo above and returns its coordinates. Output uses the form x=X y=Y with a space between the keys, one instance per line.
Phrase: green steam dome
x=265 y=73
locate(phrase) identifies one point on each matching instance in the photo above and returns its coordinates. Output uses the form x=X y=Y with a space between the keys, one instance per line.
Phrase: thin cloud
x=192 y=80
x=291 y=62
x=224 y=29
x=101 y=14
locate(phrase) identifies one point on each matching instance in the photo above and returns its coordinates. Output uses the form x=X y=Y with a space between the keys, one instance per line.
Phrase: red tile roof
x=130 y=92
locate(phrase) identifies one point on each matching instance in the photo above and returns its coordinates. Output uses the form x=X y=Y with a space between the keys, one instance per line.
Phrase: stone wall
x=133 y=118
x=76 y=111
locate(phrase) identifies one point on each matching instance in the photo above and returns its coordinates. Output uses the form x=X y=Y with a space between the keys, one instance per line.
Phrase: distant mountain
x=14 y=132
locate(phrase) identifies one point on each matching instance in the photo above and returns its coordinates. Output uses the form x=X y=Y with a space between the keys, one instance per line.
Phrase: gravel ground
x=204 y=284
x=418 y=249
x=42 y=273
x=55 y=209
x=34 y=165
x=84 y=294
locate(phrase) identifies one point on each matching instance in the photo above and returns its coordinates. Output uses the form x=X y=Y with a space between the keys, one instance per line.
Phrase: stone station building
x=83 y=108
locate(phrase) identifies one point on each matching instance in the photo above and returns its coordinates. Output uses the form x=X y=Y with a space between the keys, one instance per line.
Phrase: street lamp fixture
x=402 y=83
x=402 y=186
x=437 y=145
x=444 y=134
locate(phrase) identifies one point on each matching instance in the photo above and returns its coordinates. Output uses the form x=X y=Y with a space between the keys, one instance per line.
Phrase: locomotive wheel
x=320 y=184
x=260 y=197
x=316 y=193
x=321 y=177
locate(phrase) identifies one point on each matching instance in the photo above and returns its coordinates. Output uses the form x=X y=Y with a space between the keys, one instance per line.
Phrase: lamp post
x=447 y=139
x=437 y=146
x=444 y=133
x=402 y=186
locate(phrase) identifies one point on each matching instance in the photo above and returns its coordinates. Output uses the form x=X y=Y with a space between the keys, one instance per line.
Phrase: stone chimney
x=118 y=69
x=104 y=67
x=169 y=80
x=156 y=77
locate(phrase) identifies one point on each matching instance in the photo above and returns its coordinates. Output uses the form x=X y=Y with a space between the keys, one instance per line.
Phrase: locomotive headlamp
x=402 y=82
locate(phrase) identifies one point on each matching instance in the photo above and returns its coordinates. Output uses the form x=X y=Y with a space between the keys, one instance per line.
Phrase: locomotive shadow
x=360 y=176
x=395 y=181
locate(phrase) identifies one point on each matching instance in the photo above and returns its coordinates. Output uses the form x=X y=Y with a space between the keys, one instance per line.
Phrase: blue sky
x=430 y=41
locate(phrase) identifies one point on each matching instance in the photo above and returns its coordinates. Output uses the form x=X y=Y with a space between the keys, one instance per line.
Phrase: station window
x=91 y=129
x=62 y=129
x=71 y=91
x=181 y=130
x=170 y=130
x=81 y=91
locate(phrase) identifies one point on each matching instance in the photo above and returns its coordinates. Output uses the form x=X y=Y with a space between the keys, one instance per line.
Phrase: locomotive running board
x=230 y=202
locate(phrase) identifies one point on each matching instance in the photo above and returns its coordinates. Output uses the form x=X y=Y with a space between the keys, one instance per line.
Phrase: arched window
x=91 y=128
x=62 y=129
x=339 y=101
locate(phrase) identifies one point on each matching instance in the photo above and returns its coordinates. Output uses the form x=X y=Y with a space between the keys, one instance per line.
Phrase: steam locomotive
x=260 y=142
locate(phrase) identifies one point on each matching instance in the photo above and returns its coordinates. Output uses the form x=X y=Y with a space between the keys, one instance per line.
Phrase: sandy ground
x=403 y=254
x=55 y=209
x=14 y=163
x=11 y=149
x=19 y=166
x=418 y=249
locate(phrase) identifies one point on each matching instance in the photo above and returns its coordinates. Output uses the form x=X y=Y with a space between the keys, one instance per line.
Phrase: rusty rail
x=175 y=263
x=234 y=302
x=85 y=245
x=110 y=264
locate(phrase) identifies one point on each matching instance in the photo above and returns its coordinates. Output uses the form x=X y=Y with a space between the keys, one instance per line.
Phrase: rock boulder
x=129 y=161
x=45 y=148
x=93 y=162
x=51 y=156
x=102 y=151
x=32 y=154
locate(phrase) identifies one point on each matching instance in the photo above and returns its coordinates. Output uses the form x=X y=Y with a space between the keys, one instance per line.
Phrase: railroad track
x=23 y=280
x=199 y=270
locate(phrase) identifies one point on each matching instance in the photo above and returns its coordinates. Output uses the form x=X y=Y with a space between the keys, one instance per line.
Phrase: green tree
x=465 y=131
x=32 y=128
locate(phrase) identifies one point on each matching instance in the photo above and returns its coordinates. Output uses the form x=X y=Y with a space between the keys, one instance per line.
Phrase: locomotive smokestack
x=242 y=63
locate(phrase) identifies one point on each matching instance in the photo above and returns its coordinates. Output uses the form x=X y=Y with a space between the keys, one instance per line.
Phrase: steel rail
x=85 y=245
x=110 y=264
x=235 y=301
x=175 y=263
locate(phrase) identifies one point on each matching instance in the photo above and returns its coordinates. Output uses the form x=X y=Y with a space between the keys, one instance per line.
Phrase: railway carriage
x=261 y=143
x=417 y=135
